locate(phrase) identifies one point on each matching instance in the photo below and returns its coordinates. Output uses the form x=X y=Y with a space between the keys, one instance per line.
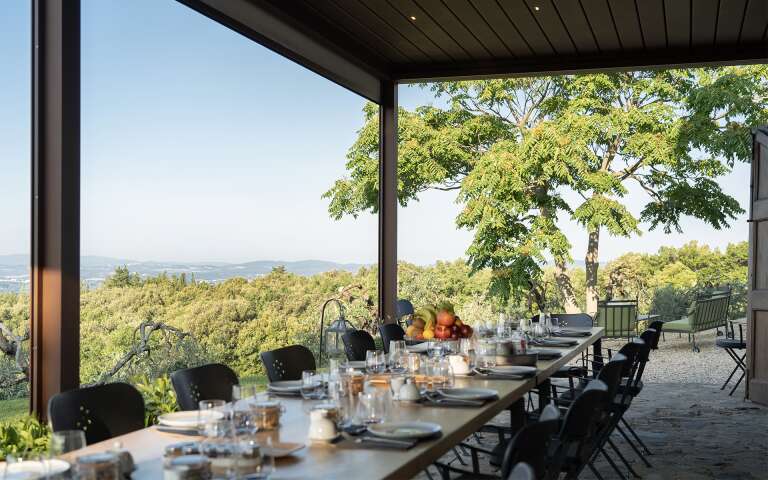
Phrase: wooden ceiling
x=412 y=40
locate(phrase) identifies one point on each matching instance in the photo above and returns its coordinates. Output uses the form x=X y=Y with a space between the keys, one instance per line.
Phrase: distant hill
x=94 y=269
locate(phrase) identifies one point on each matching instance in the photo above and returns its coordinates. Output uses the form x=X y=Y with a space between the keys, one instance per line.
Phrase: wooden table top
x=330 y=461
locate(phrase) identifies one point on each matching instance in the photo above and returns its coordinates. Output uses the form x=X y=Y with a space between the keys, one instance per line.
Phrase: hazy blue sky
x=200 y=145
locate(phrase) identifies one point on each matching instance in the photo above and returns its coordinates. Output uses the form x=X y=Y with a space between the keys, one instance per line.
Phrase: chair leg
x=594 y=471
x=612 y=463
x=634 y=447
x=735 y=369
x=629 y=427
x=623 y=460
x=737 y=383
x=458 y=456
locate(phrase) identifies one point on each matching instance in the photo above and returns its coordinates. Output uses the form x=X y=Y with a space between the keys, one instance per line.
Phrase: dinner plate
x=289 y=386
x=354 y=364
x=32 y=469
x=189 y=419
x=404 y=430
x=512 y=370
x=281 y=449
x=420 y=348
x=468 y=393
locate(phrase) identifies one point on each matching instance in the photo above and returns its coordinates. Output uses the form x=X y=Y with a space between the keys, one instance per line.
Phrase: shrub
x=159 y=397
x=23 y=436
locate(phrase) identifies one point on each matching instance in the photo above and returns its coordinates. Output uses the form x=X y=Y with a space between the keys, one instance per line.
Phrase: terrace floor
x=695 y=430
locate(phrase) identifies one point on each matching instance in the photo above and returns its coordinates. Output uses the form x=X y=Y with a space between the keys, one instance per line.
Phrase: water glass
x=375 y=361
x=312 y=385
x=209 y=414
x=372 y=406
x=260 y=469
x=65 y=441
x=486 y=353
x=442 y=374
x=413 y=363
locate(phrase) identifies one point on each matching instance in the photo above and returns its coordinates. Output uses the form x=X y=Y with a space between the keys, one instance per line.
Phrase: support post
x=388 y=202
x=55 y=229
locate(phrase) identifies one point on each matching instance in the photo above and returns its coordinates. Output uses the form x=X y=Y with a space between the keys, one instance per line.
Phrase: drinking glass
x=206 y=416
x=65 y=441
x=312 y=385
x=244 y=392
x=372 y=406
x=374 y=361
x=264 y=468
x=442 y=374
x=486 y=353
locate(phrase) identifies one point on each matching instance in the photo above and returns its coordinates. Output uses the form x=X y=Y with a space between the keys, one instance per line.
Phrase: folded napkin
x=546 y=354
x=549 y=342
x=437 y=400
x=484 y=373
x=565 y=332
x=366 y=440
x=178 y=431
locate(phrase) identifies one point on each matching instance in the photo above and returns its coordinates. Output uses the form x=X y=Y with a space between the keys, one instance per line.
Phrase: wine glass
x=65 y=441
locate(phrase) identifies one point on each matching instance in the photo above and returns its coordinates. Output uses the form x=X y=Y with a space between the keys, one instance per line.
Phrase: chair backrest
x=356 y=343
x=207 y=382
x=577 y=438
x=611 y=372
x=656 y=325
x=287 y=363
x=631 y=350
x=618 y=317
x=403 y=307
x=711 y=312
x=101 y=411
x=389 y=332
x=576 y=320
x=522 y=471
x=531 y=444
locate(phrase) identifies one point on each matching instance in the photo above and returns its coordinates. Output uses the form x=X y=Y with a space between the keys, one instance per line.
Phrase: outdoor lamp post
x=330 y=338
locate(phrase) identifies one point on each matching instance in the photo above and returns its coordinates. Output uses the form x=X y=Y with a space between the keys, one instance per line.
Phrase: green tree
x=524 y=153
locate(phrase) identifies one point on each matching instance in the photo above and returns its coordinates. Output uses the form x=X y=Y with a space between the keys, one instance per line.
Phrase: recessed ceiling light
x=413 y=18
x=536 y=8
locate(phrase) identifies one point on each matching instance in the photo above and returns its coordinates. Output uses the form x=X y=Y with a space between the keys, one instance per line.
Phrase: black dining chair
x=730 y=344
x=572 y=320
x=656 y=325
x=208 y=382
x=356 y=343
x=101 y=411
x=522 y=471
x=389 y=332
x=403 y=308
x=287 y=363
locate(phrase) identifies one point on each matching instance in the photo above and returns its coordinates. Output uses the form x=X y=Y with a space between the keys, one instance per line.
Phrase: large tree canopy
x=518 y=151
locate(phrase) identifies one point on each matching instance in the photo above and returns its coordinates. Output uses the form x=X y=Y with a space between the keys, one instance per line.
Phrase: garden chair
x=403 y=309
x=618 y=317
x=730 y=344
x=101 y=412
x=705 y=313
x=287 y=363
x=356 y=343
x=208 y=382
x=389 y=332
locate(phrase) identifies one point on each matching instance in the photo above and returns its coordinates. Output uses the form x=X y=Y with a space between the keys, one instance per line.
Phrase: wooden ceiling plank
x=431 y=28
x=548 y=18
x=703 y=22
x=372 y=22
x=386 y=12
x=453 y=26
x=678 y=19
x=729 y=20
x=627 y=23
x=755 y=21
x=652 y=23
x=577 y=25
x=480 y=28
x=517 y=12
x=502 y=27
x=600 y=19
x=371 y=41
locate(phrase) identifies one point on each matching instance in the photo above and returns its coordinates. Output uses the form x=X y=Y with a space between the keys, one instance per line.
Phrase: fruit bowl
x=437 y=322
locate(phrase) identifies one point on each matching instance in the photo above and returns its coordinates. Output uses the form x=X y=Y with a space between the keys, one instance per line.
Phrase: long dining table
x=321 y=460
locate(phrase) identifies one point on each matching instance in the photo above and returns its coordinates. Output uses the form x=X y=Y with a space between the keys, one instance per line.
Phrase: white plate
x=513 y=370
x=282 y=449
x=469 y=393
x=404 y=430
x=289 y=386
x=354 y=364
x=418 y=348
x=189 y=419
x=31 y=469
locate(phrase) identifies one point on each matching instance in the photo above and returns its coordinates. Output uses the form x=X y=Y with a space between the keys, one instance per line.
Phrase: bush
x=23 y=436
x=159 y=397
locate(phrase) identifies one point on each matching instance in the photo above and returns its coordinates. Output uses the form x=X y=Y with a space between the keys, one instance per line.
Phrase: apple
x=446 y=318
x=465 y=331
x=442 y=332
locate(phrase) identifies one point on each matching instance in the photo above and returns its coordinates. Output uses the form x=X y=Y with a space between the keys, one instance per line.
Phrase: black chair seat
x=731 y=343
x=389 y=332
x=571 y=371
x=357 y=343
x=287 y=363
x=208 y=382
x=102 y=411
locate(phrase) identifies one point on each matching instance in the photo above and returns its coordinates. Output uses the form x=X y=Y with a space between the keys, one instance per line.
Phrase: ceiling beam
x=560 y=65
x=263 y=23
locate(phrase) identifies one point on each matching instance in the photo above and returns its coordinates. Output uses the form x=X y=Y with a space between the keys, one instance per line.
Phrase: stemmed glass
x=375 y=361
x=397 y=356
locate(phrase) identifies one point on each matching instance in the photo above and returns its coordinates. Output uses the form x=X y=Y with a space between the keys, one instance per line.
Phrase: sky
x=200 y=145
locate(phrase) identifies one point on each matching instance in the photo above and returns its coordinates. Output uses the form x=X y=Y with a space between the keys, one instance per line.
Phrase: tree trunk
x=591 y=265
x=566 y=289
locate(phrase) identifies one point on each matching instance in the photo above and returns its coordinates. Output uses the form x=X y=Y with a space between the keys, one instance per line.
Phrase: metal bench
x=705 y=313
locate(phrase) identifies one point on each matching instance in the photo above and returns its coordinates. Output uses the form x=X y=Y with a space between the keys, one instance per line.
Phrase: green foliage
x=23 y=436
x=159 y=397
x=513 y=148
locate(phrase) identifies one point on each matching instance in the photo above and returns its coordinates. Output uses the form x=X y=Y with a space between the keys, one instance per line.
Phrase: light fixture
x=330 y=338
x=536 y=7
x=413 y=18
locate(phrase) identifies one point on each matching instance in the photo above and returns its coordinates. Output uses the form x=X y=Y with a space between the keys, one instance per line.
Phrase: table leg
x=597 y=355
x=517 y=416
x=545 y=394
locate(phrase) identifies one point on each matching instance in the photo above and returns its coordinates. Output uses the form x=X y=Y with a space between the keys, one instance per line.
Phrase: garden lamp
x=330 y=338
